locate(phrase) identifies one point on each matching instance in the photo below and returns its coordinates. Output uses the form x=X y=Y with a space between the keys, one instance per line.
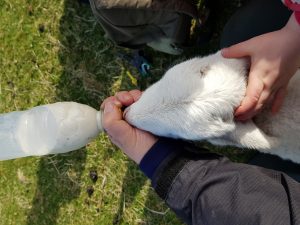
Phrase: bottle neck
x=99 y=120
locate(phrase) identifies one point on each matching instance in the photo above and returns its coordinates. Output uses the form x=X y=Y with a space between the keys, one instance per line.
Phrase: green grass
x=55 y=51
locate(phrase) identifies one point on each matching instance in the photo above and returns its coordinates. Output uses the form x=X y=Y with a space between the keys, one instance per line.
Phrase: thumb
x=237 y=51
x=112 y=112
x=113 y=122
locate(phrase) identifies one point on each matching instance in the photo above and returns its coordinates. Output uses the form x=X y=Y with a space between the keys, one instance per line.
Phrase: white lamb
x=196 y=99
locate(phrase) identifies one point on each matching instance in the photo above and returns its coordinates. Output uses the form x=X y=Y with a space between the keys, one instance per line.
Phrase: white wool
x=196 y=99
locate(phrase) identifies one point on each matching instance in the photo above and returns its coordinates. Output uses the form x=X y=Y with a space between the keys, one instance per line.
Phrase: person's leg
x=273 y=162
x=256 y=17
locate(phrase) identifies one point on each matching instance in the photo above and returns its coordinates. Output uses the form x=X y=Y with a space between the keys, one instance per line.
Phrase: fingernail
x=223 y=51
x=109 y=107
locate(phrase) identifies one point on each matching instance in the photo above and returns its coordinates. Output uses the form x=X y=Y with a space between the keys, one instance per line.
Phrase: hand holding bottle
x=134 y=142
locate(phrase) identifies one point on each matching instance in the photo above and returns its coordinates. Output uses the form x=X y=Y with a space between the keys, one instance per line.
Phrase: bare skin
x=274 y=58
x=134 y=142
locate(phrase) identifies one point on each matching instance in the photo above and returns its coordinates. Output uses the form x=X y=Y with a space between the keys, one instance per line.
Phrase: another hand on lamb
x=275 y=57
x=134 y=142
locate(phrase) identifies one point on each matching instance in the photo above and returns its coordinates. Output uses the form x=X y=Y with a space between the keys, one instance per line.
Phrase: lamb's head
x=194 y=100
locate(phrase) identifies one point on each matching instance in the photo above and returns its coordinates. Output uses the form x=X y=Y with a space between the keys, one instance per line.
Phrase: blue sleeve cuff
x=157 y=154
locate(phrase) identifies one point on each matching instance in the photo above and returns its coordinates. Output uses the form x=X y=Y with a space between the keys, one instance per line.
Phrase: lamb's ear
x=247 y=135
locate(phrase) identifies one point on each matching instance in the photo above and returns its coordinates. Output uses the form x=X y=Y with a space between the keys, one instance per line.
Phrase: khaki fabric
x=163 y=25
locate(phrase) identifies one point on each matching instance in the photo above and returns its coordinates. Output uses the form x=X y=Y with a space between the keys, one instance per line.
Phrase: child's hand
x=134 y=142
x=275 y=58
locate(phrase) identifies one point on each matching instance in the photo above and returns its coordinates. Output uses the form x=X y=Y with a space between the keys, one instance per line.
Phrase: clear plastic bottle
x=48 y=129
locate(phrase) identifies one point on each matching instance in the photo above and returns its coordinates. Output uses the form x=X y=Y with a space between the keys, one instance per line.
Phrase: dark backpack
x=161 y=24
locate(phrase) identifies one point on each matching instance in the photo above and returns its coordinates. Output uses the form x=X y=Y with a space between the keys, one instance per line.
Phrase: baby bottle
x=48 y=129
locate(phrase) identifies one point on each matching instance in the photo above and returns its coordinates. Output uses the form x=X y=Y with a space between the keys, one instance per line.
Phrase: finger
x=136 y=94
x=249 y=103
x=124 y=97
x=278 y=100
x=238 y=50
x=119 y=131
x=271 y=98
x=112 y=112
x=113 y=122
x=263 y=99
x=127 y=98
x=112 y=99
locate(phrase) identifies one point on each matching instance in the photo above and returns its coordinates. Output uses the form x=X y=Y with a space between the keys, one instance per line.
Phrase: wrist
x=142 y=150
x=297 y=17
x=137 y=148
x=293 y=26
x=292 y=34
